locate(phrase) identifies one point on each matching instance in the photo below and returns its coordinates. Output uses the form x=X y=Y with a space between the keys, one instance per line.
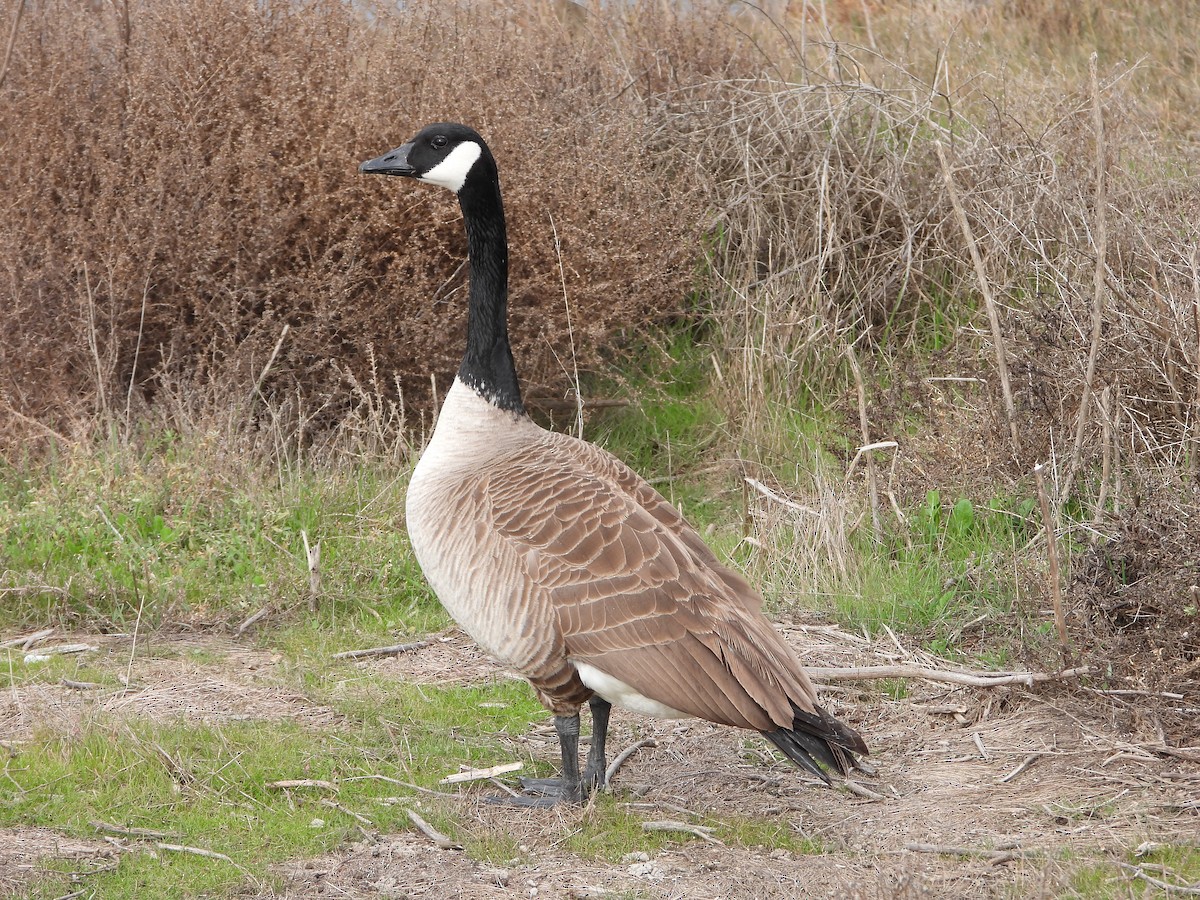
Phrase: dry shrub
x=181 y=187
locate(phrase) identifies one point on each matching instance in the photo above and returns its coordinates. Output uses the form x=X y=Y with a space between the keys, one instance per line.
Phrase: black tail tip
x=817 y=742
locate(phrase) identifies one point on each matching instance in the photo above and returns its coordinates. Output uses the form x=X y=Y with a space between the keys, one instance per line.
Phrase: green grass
x=209 y=786
x=189 y=534
x=1173 y=864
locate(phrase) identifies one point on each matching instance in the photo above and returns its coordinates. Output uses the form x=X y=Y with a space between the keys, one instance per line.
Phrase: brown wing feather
x=640 y=596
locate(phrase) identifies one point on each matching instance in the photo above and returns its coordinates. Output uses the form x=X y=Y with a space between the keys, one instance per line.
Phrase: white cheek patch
x=452 y=171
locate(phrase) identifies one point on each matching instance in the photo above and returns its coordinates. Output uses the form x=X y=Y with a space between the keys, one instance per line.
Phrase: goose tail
x=817 y=741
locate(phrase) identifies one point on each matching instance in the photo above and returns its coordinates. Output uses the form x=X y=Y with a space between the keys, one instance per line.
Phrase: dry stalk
x=12 y=40
x=393 y=650
x=1101 y=241
x=864 y=425
x=988 y=300
x=441 y=841
x=1106 y=452
x=970 y=679
x=312 y=555
x=1060 y=620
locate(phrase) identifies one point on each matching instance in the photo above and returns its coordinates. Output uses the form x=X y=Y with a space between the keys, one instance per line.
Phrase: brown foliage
x=180 y=190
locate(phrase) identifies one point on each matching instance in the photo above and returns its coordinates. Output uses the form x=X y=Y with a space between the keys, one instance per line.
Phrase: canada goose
x=565 y=565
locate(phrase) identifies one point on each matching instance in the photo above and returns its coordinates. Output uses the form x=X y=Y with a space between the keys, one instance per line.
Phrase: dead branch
x=865 y=428
x=970 y=679
x=305 y=783
x=195 y=851
x=1101 y=241
x=128 y=832
x=1028 y=761
x=393 y=650
x=1192 y=890
x=313 y=556
x=26 y=641
x=439 y=840
x=989 y=301
x=859 y=790
x=624 y=755
x=256 y=617
x=79 y=685
x=333 y=804
x=701 y=831
x=482 y=774
x=999 y=855
x=1060 y=619
x=12 y=40
x=397 y=781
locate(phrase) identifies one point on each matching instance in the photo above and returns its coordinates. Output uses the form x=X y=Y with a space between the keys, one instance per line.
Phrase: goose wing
x=638 y=595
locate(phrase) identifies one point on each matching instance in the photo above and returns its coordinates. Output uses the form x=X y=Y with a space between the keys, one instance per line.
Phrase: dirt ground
x=1020 y=787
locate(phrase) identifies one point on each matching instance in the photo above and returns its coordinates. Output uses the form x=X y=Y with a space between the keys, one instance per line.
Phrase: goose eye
x=438 y=142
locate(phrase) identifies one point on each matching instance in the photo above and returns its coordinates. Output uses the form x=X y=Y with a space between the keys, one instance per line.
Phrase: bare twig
x=865 y=428
x=262 y=376
x=624 y=755
x=12 y=40
x=439 y=840
x=128 y=832
x=482 y=774
x=971 y=679
x=333 y=804
x=1192 y=890
x=701 y=831
x=397 y=781
x=393 y=650
x=79 y=685
x=312 y=555
x=26 y=641
x=1025 y=764
x=859 y=790
x=1101 y=241
x=305 y=783
x=985 y=289
x=256 y=617
x=1060 y=619
x=195 y=851
x=998 y=855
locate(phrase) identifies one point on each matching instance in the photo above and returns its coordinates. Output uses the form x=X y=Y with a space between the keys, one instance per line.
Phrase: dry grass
x=181 y=188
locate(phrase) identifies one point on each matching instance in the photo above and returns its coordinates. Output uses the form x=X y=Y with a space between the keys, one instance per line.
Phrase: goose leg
x=558 y=790
x=593 y=773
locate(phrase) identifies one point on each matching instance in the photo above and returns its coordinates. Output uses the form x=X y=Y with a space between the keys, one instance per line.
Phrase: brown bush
x=181 y=186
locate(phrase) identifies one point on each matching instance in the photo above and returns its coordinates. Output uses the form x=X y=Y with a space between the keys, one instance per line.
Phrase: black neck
x=487 y=365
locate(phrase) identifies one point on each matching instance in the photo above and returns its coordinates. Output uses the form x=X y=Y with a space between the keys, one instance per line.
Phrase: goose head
x=444 y=154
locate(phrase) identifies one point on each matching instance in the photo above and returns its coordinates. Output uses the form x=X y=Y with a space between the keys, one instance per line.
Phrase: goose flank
x=565 y=565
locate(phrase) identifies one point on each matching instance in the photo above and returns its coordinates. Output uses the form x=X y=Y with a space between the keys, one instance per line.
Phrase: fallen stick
x=261 y=614
x=28 y=640
x=333 y=804
x=79 y=685
x=128 y=832
x=195 y=851
x=701 y=831
x=859 y=790
x=393 y=650
x=616 y=764
x=407 y=784
x=1029 y=761
x=305 y=783
x=1139 y=872
x=482 y=774
x=439 y=840
x=867 y=673
x=998 y=855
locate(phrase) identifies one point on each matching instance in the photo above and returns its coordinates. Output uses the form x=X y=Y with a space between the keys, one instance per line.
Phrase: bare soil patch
x=199 y=679
x=25 y=851
x=1098 y=783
